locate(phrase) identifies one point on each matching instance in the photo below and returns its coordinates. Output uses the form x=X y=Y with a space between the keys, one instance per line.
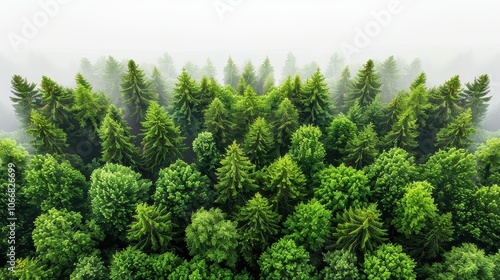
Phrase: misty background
x=449 y=37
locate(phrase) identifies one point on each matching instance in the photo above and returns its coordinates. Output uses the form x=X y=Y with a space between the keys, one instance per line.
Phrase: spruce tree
x=457 y=133
x=403 y=133
x=290 y=67
x=81 y=81
x=56 y=103
x=389 y=78
x=241 y=86
x=265 y=70
x=259 y=143
x=159 y=86
x=25 y=99
x=475 y=97
x=285 y=124
x=186 y=104
x=167 y=67
x=47 y=138
x=249 y=75
x=112 y=76
x=247 y=110
x=446 y=102
x=207 y=88
x=231 y=73
x=315 y=101
x=365 y=87
x=209 y=69
x=362 y=149
x=218 y=122
x=338 y=134
x=419 y=80
x=341 y=90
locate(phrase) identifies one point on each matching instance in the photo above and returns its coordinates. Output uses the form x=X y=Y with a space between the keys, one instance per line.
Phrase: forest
x=146 y=173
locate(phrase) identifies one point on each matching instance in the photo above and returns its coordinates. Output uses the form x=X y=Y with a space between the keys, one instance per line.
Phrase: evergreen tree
x=186 y=104
x=231 y=73
x=389 y=262
x=419 y=80
x=81 y=81
x=162 y=143
x=247 y=110
x=290 y=66
x=335 y=65
x=56 y=103
x=250 y=76
x=209 y=69
x=389 y=78
x=268 y=83
x=89 y=109
x=265 y=70
x=307 y=150
x=340 y=264
x=241 y=86
x=315 y=100
x=285 y=124
x=362 y=148
x=47 y=138
x=208 y=90
x=488 y=162
x=159 y=87
x=207 y=154
x=167 y=66
x=365 y=87
x=88 y=69
x=89 y=268
x=309 y=69
x=342 y=89
x=446 y=102
x=136 y=92
x=259 y=143
x=130 y=263
x=193 y=70
x=475 y=97
x=410 y=72
x=112 y=76
x=403 y=133
x=26 y=98
x=457 y=133
x=218 y=122
x=338 y=134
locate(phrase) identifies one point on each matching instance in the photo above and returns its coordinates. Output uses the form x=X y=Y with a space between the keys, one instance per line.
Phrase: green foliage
x=286 y=184
x=475 y=97
x=114 y=192
x=26 y=98
x=60 y=239
x=389 y=79
x=365 y=87
x=362 y=148
x=162 y=143
x=266 y=70
x=307 y=150
x=359 y=229
x=56 y=102
x=416 y=210
x=164 y=264
x=341 y=188
x=285 y=260
x=247 y=110
x=338 y=134
x=310 y=225
x=259 y=142
x=207 y=155
x=340 y=265
x=446 y=101
x=182 y=189
x=249 y=76
x=403 y=133
x=112 y=76
x=89 y=268
x=31 y=269
x=258 y=226
x=199 y=269
x=151 y=228
x=186 y=104
x=213 y=237
x=47 y=138
x=488 y=162
x=389 y=262
x=457 y=133
x=159 y=87
x=236 y=179
x=130 y=264
x=89 y=108
x=420 y=80
x=285 y=124
x=342 y=89
x=315 y=100
x=218 y=122
x=231 y=73
x=290 y=66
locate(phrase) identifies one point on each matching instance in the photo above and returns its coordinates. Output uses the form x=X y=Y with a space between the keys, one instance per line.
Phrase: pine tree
x=411 y=71
x=81 y=81
x=389 y=78
x=162 y=143
x=403 y=133
x=315 y=101
x=167 y=66
x=475 y=97
x=338 y=134
x=242 y=86
x=446 y=102
x=265 y=70
x=26 y=98
x=335 y=64
x=136 y=92
x=419 y=80
x=365 y=87
x=286 y=123
x=89 y=109
x=186 y=104
x=457 y=133
x=247 y=110
x=235 y=175
x=159 y=86
x=47 y=138
x=290 y=67
x=342 y=89
x=231 y=73
x=209 y=69
x=117 y=143
x=362 y=149
x=56 y=102
x=218 y=122
x=112 y=76
x=207 y=88
x=259 y=143
x=249 y=75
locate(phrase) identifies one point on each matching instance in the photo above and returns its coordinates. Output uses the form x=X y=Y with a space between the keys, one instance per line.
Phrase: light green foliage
x=136 y=91
x=403 y=133
x=199 y=269
x=47 y=138
x=115 y=190
x=249 y=76
x=359 y=229
x=25 y=99
x=212 y=237
x=417 y=102
x=389 y=262
x=310 y=225
x=242 y=85
x=338 y=134
x=389 y=174
x=151 y=229
x=362 y=148
x=235 y=175
x=56 y=102
x=89 y=268
x=416 y=210
x=266 y=71
x=315 y=100
x=307 y=150
x=208 y=88
x=285 y=260
x=218 y=123
x=89 y=108
x=420 y=80
x=457 y=133
x=286 y=184
x=130 y=264
x=488 y=162
x=206 y=151
x=259 y=143
x=365 y=87
x=53 y=184
x=182 y=190
x=186 y=104
x=389 y=79
x=247 y=110
x=60 y=238
x=258 y=225
x=231 y=73
x=162 y=143
x=30 y=269
x=290 y=66
x=340 y=265
x=341 y=188
x=285 y=124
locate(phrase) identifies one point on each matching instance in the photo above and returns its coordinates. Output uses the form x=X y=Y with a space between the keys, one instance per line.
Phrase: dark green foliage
x=446 y=102
x=182 y=190
x=259 y=143
x=389 y=262
x=310 y=225
x=136 y=92
x=200 y=268
x=403 y=133
x=285 y=124
x=285 y=260
x=159 y=87
x=359 y=229
x=207 y=154
x=286 y=184
x=231 y=73
x=162 y=143
x=25 y=99
x=151 y=229
x=56 y=102
x=47 y=138
x=54 y=184
x=164 y=264
x=186 y=104
x=338 y=134
x=314 y=98
x=457 y=133
x=488 y=162
x=247 y=110
x=341 y=188
x=131 y=264
x=365 y=87
x=475 y=97
x=212 y=237
x=218 y=122
x=307 y=150
x=362 y=148
x=340 y=265
x=89 y=268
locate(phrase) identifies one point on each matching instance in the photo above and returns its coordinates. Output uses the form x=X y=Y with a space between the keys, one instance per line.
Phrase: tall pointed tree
x=259 y=143
x=209 y=69
x=136 y=92
x=446 y=102
x=475 y=97
x=167 y=67
x=89 y=109
x=218 y=122
x=365 y=87
x=47 y=138
x=231 y=73
x=249 y=75
x=419 y=80
x=56 y=102
x=389 y=78
x=185 y=104
x=290 y=67
x=112 y=76
x=247 y=110
x=457 y=133
x=403 y=133
x=362 y=149
x=335 y=65
x=342 y=89
x=338 y=134
x=265 y=70
x=25 y=99
x=159 y=86
x=162 y=143
x=315 y=100
x=307 y=150
x=285 y=124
